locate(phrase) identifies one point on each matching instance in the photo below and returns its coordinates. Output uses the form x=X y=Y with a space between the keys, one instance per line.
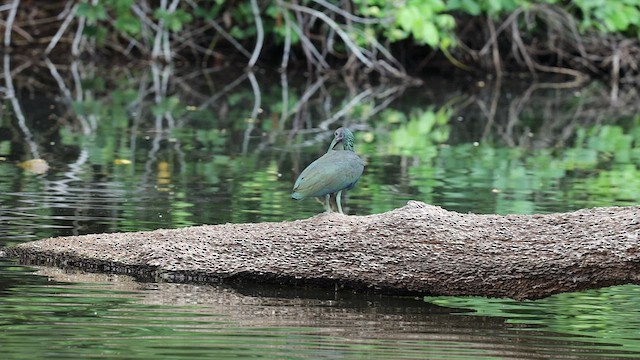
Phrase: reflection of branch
x=158 y=94
x=60 y=190
x=284 y=83
x=87 y=128
x=388 y=95
x=254 y=113
x=307 y=94
x=22 y=121
x=494 y=106
x=224 y=90
x=353 y=102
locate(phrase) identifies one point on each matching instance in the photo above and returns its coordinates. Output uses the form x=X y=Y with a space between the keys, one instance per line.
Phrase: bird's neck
x=348 y=144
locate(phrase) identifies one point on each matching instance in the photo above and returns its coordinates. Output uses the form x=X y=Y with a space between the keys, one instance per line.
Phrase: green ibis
x=333 y=172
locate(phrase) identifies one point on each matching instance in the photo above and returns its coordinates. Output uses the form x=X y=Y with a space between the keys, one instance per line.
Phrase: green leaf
x=430 y=34
x=405 y=18
x=92 y=13
x=128 y=24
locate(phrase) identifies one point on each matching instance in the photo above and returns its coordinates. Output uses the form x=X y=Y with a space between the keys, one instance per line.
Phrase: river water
x=87 y=149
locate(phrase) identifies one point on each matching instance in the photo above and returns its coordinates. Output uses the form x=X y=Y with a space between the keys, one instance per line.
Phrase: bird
x=332 y=173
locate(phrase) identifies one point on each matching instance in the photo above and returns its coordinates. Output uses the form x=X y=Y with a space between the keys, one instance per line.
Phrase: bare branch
x=260 y=34
x=355 y=49
x=65 y=24
x=9 y=24
x=349 y=16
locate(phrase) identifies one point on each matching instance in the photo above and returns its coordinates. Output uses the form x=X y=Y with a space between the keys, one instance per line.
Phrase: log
x=417 y=249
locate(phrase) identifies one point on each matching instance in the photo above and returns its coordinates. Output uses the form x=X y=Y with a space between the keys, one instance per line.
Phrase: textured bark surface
x=415 y=249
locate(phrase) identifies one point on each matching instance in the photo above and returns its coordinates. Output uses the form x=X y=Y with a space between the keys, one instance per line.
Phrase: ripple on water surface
x=58 y=314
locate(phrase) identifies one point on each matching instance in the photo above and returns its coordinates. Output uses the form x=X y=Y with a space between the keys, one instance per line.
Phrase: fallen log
x=417 y=249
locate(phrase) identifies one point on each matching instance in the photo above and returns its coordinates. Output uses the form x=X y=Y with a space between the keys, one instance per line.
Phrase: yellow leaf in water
x=163 y=166
x=36 y=166
x=164 y=173
x=122 y=161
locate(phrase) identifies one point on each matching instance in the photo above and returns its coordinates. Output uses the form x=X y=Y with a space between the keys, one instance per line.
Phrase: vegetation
x=423 y=148
x=572 y=38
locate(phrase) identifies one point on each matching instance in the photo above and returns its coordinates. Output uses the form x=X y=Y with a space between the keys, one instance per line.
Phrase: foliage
x=610 y=16
x=324 y=31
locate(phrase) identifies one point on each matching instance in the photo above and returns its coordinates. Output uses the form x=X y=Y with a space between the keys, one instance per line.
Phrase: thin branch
x=75 y=48
x=287 y=40
x=167 y=45
x=9 y=25
x=260 y=34
x=495 y=50
x=349 y=16
x=65 y=24
x=615 y=75
x=343 y=35
x=56 y=76
x=223 y=32
x=493 y=40
x=157 y=42
x=310 y=48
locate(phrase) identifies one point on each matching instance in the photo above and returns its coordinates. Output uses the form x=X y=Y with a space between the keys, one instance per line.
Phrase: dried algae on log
x=417 y=249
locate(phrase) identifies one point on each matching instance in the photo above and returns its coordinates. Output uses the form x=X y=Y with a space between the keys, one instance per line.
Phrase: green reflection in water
x=58 y=320
x=609 y=318
x=171 y=186
x=41 y=318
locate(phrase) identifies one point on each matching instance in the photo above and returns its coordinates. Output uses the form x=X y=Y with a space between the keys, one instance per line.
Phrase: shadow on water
x=86 y=149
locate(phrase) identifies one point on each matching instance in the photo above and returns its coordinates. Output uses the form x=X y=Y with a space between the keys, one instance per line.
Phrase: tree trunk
x=417 y=249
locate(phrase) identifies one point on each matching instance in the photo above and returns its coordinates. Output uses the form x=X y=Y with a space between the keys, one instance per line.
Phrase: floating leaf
x=35 y=166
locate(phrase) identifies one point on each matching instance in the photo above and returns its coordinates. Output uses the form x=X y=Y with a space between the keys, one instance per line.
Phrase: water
x=200 y=153
x=55 y=314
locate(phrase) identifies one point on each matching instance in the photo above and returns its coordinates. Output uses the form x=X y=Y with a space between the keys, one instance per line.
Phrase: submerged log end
x=417 y=249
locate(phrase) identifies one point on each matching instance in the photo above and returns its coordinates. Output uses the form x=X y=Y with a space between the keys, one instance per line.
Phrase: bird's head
x=344 y=136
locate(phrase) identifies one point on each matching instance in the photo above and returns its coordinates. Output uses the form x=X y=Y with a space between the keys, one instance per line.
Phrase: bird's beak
x=334 y=143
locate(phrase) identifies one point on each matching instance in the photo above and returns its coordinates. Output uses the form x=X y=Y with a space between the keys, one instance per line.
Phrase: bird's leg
x=328 y=204
x=338 y=196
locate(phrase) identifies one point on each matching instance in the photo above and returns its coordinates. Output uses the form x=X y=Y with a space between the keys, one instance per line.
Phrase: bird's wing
x=334 y=171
